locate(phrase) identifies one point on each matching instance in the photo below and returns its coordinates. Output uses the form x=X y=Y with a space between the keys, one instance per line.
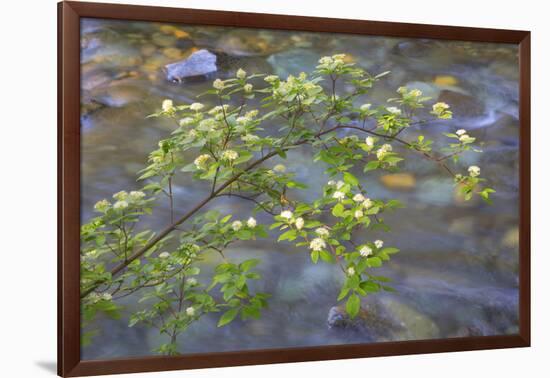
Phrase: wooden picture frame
x=69 y=360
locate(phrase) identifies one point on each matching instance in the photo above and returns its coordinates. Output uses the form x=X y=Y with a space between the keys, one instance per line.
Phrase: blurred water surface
x=457 y=272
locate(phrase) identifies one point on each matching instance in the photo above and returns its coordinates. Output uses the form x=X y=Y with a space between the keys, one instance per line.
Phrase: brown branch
x=261 y=205
x=166 y=231
x=403 y=142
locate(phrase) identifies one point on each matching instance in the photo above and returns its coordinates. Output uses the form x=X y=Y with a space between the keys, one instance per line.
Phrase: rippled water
x=457 y=272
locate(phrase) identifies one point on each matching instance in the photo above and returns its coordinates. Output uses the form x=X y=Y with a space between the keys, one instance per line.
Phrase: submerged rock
x=414 y=48
x=293 y=62
x=462 y=104
x=244 y=42
x=384 y=320
x=399 y=181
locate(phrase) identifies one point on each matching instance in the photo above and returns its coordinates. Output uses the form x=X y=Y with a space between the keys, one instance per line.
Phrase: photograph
x=252 y=189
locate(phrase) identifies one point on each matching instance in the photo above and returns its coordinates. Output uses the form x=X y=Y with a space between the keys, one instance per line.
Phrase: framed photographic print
x=239 y=188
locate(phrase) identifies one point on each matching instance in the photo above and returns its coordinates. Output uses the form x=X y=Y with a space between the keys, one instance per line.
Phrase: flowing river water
x=457 y=273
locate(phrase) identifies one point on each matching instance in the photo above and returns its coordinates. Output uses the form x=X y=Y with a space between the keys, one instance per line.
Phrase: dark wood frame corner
x=69 y=14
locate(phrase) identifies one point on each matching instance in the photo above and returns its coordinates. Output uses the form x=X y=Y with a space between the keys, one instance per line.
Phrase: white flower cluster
x=367 y=203
x=464 y=137
x=394 y=110
x=241 y=74
x=279 y=168
x=218 y=109
x=196 y=106
x=369 y=141
x=243 y=120
x=338 y=184
x=218 y=84
x=474 y=171
x=339 y=195
x=167 y=105
x=201 y=160
x=359 y=197
x=123 y=200
x=332 y=63
x=208 y=125
x=413 y=93
x=250 y=223
x=230 y=155
x=378 y=243
x=95 y=297
x=250 y=138
x=120 y=196
x=190 y=311
x=299 y=223
x=307 y=90
x=317 y=244
x=102 y=206
x=322 y=232
x=286 y=214
x=365 y=251
x=271 y=78
x=383 y=151
x=441 y=110
x=136 y=195
x=186 y=121
x=365 y=107
x=248 y=88
x=237 y=225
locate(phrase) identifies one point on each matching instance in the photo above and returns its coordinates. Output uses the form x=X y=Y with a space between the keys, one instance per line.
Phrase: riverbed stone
x=445 y=80
x=462 y=104
x=413 y=48
x=384 y=320
x=199 y=63
x=399 y=181
x=252 y=43
x=292 y=62
x=163 y=40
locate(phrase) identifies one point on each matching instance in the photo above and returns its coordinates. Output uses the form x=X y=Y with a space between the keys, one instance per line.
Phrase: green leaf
x=371 y=165
x=370 y=287
x=326 y=256
x=244 y=234
x=374 y=262
x=338 y=210
x=389 y=250
x=353 y=305
x=228 y=316
x=343 y=293
x=275 y=225
x=245 y=266
x=388 y=289
x=289 y=235
x=189 y=168
x=244 y=156
x=314 y=256
x=193 y=271
x=296 y=184
x=350 y=179
x=393 y=159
